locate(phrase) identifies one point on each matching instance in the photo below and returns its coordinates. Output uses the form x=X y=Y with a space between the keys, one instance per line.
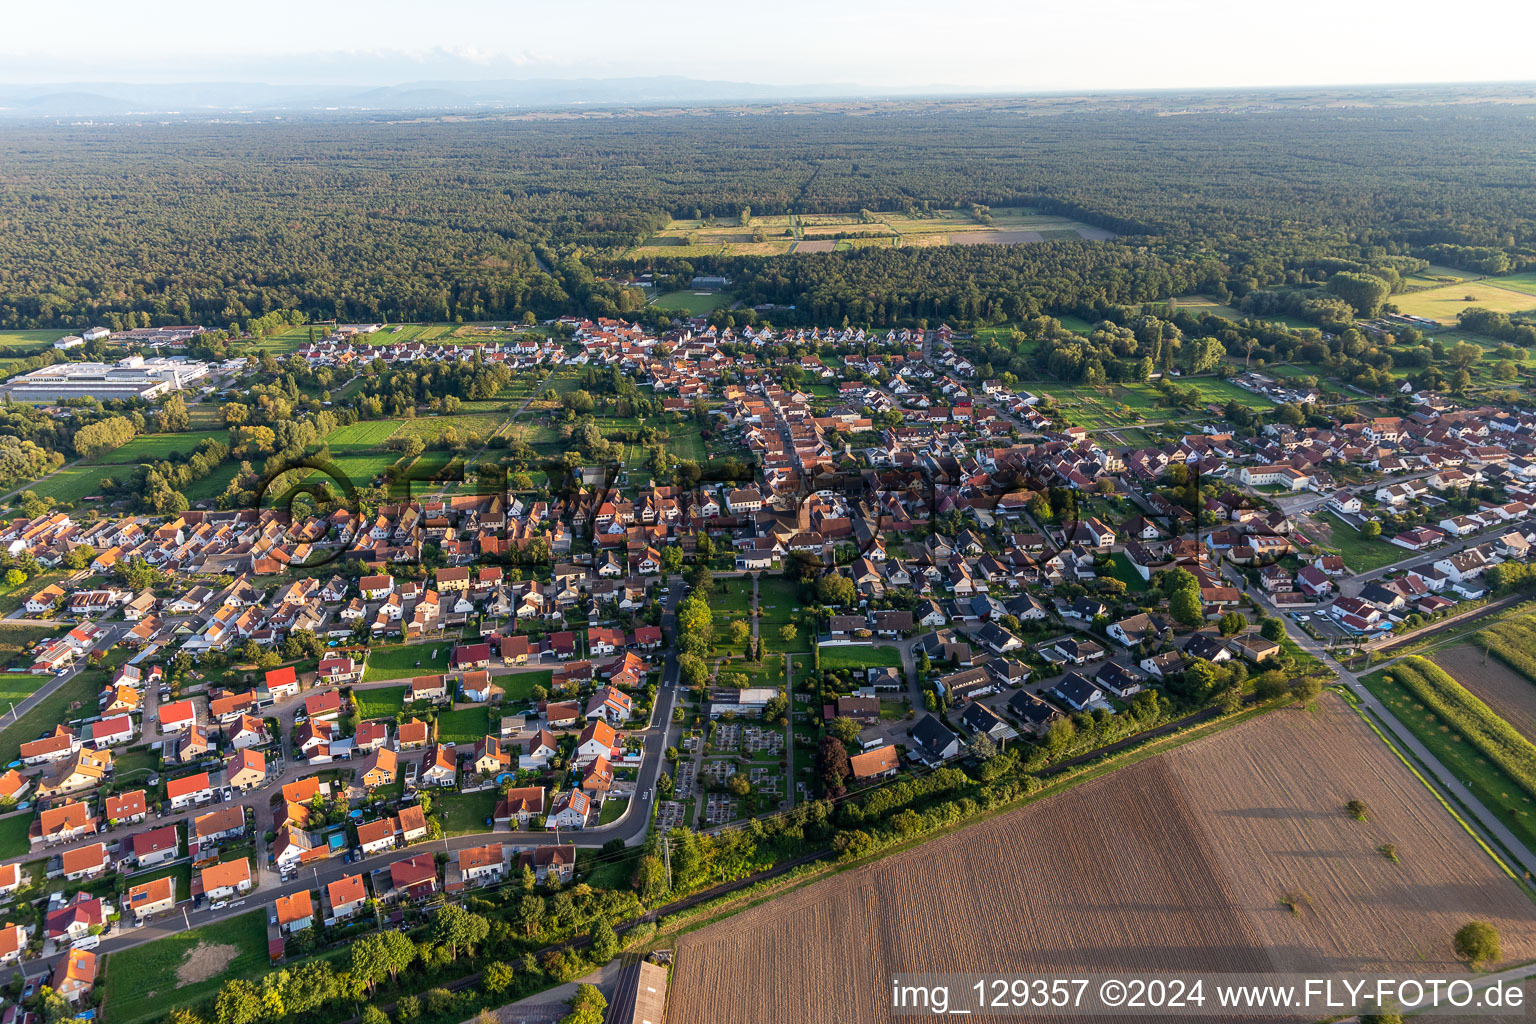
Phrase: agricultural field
x=1447 y=301
x=364 y=436
x=1466 y=736
x=1122 y=842
x=1517 y=282
x=1364 y=913
x=1434 y=276
x=23 y=344
x=818 y=232
x=1178 y=864
x=189 y=966
x=69 y=484
x=1507 y=692
x=153 y=447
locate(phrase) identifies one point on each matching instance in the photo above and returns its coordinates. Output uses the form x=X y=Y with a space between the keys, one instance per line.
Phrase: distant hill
x=98 y=98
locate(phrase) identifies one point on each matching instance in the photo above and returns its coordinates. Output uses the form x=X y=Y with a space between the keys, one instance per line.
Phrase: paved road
x=1443 y=776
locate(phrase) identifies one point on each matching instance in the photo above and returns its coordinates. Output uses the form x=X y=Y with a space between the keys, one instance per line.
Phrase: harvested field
x=816 y=246
x=1174 y=864
x=1114 y=872
x=1272 y=793
x=994 y=237
x=1511 y=695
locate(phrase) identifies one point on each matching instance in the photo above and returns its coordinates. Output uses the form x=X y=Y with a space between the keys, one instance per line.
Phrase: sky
x=982 y=45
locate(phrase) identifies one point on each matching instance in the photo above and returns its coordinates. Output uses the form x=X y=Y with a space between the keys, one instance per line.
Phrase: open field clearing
x=365 y=436
x=152 y=447
x=1517 y=282
x=70 y=483
x=1446 y=302
x=818 y=233
x=1271 y=793
x=1511 y=695
x=1175 y=864
x=186 y=968
x=1361 y=554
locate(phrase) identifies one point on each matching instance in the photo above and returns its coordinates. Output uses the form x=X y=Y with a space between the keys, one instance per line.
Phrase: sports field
x=696 y=303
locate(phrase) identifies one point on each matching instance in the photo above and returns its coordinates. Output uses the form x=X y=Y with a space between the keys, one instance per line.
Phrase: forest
x=489 y=218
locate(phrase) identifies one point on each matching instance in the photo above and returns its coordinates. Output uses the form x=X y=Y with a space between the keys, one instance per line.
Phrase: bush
x=1477 y=942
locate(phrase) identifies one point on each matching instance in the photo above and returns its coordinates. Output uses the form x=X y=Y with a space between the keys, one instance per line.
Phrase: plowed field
x=1177 y=863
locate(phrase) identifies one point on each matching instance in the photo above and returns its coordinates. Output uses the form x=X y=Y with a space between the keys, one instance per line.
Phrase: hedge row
x=1511 y=642
x=1458 y=708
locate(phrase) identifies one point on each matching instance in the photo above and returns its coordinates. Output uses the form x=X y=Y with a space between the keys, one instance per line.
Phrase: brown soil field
x=814 y=246
x=1511 y=695
x=994 y=237
x=1176 y=863
x=1271 y=794
x=205 y=962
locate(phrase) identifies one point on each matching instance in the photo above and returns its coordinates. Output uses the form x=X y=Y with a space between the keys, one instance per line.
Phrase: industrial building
x=130 y=377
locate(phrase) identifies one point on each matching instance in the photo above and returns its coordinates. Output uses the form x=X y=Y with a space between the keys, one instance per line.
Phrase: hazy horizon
x=997 y=47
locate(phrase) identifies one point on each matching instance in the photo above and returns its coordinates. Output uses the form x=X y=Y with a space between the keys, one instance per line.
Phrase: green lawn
x=16 y=686
x=366 y=436
x=1486 y=781
x=52 y=710
x=1361 y=554
x=153 y=447
x=141 y=981
x=466 y=725
x=777 y=601
x=384 y=702
x=13 y=835
x=133 y=766
x=691 y=302
x=519 y=685
x=12 y=598
x=464 y=813
x=860 y=657
x=1122 y=569
x=611 y=810
x=400 y=661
